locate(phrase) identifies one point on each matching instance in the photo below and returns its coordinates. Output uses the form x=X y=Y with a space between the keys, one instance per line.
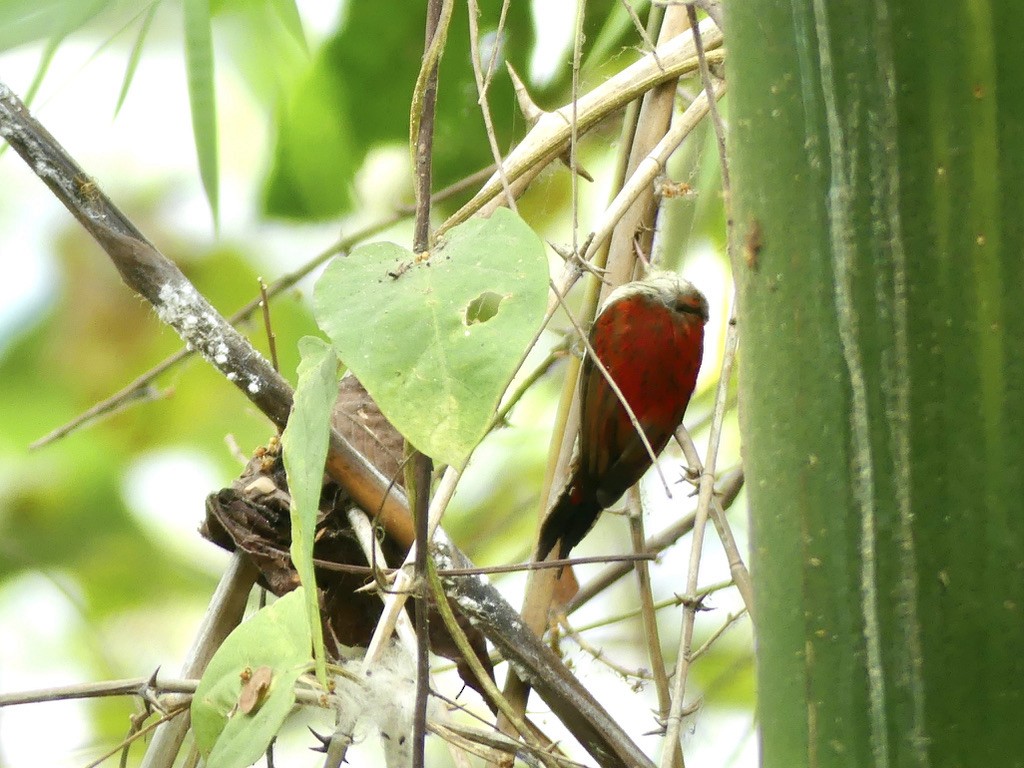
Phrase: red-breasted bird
x=649 y=336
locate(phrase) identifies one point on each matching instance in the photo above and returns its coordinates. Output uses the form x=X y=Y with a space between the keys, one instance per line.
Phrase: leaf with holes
x=436 y=341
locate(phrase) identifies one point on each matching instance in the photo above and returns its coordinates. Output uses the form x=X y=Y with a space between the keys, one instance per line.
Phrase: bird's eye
x=692 y=308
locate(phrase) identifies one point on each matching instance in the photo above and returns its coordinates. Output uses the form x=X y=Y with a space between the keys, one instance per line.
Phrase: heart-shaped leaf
x=436 y=341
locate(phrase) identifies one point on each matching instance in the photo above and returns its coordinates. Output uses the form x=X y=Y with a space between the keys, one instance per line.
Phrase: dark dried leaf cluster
x=253 y=515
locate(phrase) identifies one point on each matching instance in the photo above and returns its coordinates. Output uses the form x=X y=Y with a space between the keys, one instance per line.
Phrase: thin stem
x=669 y=602
x=707 y=487
x=730 y=488
x=267 y=326
x=283 y=283
x=599 y=655
x=574 y=126
x=649 y=619
x=425 y=96
x=422 y=471
x=482 y=83
x=737 y=568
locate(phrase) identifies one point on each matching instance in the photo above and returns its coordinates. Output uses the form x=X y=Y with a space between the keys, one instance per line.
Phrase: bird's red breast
x=650 y=338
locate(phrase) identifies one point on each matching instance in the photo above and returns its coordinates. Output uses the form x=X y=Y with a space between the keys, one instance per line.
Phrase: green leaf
x=136 y=54
x=448 y=333
x=199 y=63
x=288 y=12
x=276 y=637
x=23 y=21
x=305 y=452
x=357 y=95
x=314 y=158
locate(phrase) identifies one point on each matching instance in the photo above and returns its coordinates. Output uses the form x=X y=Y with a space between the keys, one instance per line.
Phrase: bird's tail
x=569 y=520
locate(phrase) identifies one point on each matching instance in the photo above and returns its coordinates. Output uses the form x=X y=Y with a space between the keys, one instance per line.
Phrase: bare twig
x=670 y=602
x=422 y=471
x=737 y=568
x=730 y=487
x=638 y=25
x=143 y=687
x=599 y=655
x=712 y=8
x=136 y=686
x=716 y=119
x=730 y=620
x=574 y=126
x=283 y=283
x=267 y=326
x=173 y=715
x=482 y=83
x=649 y=619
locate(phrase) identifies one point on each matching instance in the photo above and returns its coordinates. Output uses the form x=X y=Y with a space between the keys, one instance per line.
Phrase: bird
x=649 y=336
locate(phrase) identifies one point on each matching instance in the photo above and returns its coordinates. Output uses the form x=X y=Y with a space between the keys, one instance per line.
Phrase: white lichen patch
x=176 y=304
x=182 y=308
x=382 y=697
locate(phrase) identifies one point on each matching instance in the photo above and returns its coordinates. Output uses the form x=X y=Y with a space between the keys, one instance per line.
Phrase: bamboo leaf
x=199 y=65
x=288 y=12
x=304 y=444
x=136 y=53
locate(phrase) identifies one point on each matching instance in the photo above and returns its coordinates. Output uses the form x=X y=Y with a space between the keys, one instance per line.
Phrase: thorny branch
x=550 y=137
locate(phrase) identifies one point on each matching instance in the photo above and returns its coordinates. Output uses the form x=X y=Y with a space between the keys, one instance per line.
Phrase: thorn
x=325 y=741
x=147 y=693
x=580 y=263
x=527 y=106
x=532 y=114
